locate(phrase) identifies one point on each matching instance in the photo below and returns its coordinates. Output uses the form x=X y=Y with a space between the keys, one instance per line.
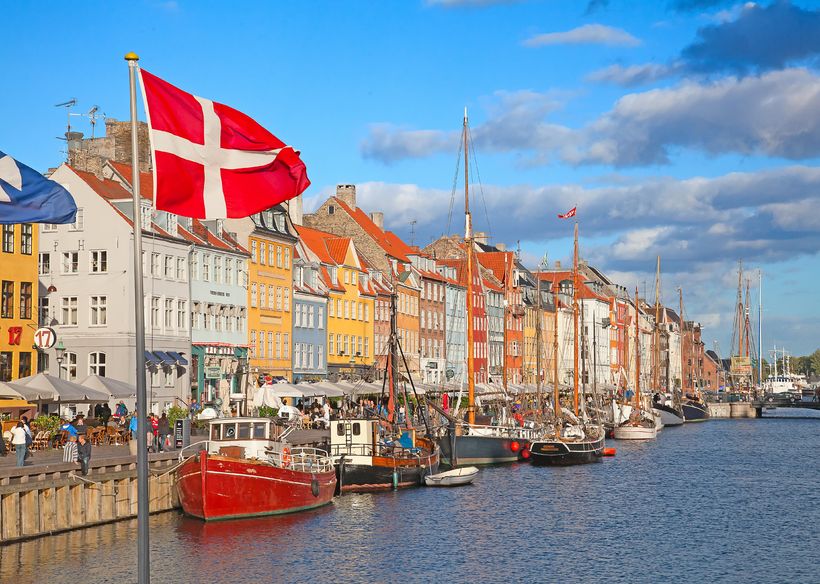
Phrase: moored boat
x=457 y=477
x=247 y=470
x=637 y=431
x=670 y=415
x=694 y=410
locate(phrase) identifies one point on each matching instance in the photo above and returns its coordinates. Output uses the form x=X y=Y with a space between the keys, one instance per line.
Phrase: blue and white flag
x=26 y=196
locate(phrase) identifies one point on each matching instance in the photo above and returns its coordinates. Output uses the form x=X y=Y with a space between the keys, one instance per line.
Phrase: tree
x=815 y=361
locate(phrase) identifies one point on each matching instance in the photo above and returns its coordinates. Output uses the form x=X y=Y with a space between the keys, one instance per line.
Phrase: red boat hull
x=220 y=487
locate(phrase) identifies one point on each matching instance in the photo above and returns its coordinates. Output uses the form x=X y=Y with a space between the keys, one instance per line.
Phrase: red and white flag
x=568 y=214
x=212 y=161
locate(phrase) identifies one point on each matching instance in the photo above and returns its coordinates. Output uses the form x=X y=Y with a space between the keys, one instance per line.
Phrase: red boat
x=246 y=472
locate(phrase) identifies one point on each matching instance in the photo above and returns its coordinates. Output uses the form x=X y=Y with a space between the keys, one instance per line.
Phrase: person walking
x=105 y=414
x=134 y=425
x=84 y=453
x=153 y=423
x=18 y=439
x=163 y=429
x=70 y=450
x=29 y=436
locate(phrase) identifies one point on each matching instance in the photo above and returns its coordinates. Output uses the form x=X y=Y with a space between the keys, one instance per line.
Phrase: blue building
x=309 y=322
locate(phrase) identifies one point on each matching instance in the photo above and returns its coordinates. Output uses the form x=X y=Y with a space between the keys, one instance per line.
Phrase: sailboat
x=664 y=403
x=694 y=409
x=383 y=453
x=464 y=441
x=641 y=424
x=575 y=439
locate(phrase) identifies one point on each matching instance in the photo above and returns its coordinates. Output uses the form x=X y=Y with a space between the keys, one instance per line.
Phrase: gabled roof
x=329 y=248
x=555 y=277
x=387 y=240
x=500 y=263
x=146 y=179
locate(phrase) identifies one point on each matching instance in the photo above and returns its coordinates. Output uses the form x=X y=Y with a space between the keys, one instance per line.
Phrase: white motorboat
x=626 y=432
x=452 y=478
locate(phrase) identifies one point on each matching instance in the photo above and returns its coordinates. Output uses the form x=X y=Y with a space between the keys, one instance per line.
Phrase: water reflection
x=716 y=501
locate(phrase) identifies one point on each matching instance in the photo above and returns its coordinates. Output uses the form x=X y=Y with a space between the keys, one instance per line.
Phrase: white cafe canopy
x=8 y=391
x=115 y=387
x=44 y=387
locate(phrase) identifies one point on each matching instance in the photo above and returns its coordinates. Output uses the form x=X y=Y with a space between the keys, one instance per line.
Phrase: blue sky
x=685 y=128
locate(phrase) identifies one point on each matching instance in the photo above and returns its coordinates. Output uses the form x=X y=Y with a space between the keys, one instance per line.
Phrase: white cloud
x=588 y=34
x=632 y=75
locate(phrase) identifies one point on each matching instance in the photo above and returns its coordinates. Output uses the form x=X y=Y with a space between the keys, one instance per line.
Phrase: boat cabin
x=242 y=437
x=368 y=438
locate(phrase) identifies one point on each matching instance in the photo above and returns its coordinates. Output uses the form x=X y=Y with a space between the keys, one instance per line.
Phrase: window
x=330 y=339
x=261 y=295
x=5 y=365
x=361 y=310
x=68 y=309
x=98 y=310
x=271 y=297
x=310 y=313
x=78 y=221
x=287 y=258
x=278 y=256
x=253 y=294
x=7 y=310
x=347 y=276
x=45 y=313
x=194 y=266
x=346 y=345
x=169 y=313
x=99 y=262
x=155 y=312
x=170 y=377
x=367 y=346
x=44 y=263
x=320 y=356
x=145 y=216
x=96 y=363
x=253 y=250
x=297 y=356
x=71 y=262
x=270 y=344
x=253 y=343
x=229 y=271
x=24 y=366
x=330 y=311
x=262 y=344
x=278 y=298
x=206 y=267
x=25 y=238
x=49 y=227
x=25 y=300
x=155 y=264
x=358 y=345
x=347 y=309
x=181 y=269
x=287 y=301
x=169 y=267
x=331 y=210
x=366 y=313
x=181 y=314
x=262 y=253
x=272 y=258
x=278 y=345
x=70 y=366
x=8 y=238
x=321 y=324
x=286 y=345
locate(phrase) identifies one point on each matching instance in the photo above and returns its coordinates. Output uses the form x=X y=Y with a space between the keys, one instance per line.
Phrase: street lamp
x=60 y=349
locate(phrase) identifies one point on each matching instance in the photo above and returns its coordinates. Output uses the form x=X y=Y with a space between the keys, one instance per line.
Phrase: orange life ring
x=286 y=457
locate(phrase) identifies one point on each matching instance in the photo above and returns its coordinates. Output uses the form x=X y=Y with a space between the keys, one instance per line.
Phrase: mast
x=637 y=354
x=682 y=343
x=760 y=327
x=575 y=320
x=538 y=338
x=740 y=312
x=556 y=397
x=504 y=334
x=393 y=361
x=656 y=333
x=468 y=242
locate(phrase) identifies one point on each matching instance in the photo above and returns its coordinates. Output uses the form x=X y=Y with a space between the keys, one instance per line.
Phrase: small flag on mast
x=568 y=214
x=26 y=196
x=212 y=161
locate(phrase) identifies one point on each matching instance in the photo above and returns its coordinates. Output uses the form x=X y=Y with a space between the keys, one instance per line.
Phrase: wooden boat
x=452 y=478
x=642 y=423
x=247 y=471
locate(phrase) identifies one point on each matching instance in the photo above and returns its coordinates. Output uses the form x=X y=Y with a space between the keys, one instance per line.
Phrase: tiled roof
x=495 y=262
x=146 y=178
x=108 y=189
x=387 y=240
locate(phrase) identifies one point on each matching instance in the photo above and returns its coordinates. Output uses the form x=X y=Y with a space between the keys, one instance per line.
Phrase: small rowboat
x=452 y=478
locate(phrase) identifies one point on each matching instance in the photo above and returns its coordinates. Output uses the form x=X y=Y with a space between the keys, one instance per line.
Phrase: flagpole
x=143 y=551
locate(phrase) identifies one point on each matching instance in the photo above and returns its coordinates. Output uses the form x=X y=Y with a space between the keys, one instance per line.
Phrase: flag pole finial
x=131 y=57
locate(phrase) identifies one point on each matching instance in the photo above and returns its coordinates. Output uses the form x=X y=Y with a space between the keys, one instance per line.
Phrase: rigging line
x=480 y=184
x=453 y=190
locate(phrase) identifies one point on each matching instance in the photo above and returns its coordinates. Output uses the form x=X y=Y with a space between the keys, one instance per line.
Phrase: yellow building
x=270 y=238
x=531 y=345
x=18 y=301
x=351 y=298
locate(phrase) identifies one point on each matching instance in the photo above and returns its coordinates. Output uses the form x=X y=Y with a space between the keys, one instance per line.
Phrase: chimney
x=378 y=218
x=557 y=264
x=295 y=210
x=481 y=237
x=347 y=194
x=501 y=246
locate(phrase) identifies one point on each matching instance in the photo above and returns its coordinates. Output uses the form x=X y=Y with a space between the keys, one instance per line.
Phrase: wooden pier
x=52 y=498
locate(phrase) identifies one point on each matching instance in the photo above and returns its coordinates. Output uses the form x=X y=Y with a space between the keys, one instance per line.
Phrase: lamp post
x=60 y=349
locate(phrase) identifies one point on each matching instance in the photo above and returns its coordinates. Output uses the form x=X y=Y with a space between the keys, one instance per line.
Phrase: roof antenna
x=67 y=105
x=412 y=231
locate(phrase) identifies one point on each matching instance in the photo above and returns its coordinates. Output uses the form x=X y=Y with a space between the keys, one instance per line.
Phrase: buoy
x=515 y=446
x=286 y=457
x=609 y=451
x=525 y=454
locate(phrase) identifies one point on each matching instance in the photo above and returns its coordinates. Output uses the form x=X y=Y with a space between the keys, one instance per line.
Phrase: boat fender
x=286 y=457
x=515 y=446
x=525 y=454
x=395 y=479
x=314 y=486
x=609 y=451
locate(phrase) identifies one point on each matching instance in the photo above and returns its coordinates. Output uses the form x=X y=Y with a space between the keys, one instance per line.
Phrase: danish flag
x=568 y=214
x=212 y=161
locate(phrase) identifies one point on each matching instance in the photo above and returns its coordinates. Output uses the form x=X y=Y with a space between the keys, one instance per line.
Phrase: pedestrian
x=70 y=450
x=84 y=453
x=18 y=439
x=153 y=424
x=98 y=411
x=133 y=425
x=29 y=436
x=164 y=429
x=105 y=414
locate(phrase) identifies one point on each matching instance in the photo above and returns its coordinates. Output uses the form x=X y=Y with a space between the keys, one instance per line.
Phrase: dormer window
x=268 y=218
x=280 y=222
x=145 y=217
x=172 y=224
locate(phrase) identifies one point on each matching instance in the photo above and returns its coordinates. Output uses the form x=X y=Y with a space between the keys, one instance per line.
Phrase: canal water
x=722 y=501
